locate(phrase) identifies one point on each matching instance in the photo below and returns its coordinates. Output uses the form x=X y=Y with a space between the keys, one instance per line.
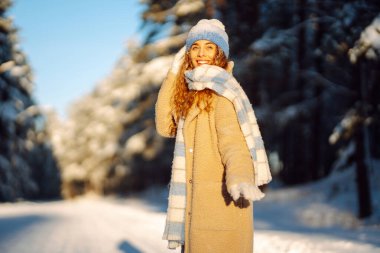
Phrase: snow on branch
x=323 y=81
x=369 y=43
x=181 y=9
x=184 y=8
x=160 y=48
x=6 y=24
x=292 y=112
x=274 y=39
x=271 y=40
x=345 y=128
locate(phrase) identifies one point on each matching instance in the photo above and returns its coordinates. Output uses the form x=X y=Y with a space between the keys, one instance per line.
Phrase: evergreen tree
x=109 y=143
x=27 y=166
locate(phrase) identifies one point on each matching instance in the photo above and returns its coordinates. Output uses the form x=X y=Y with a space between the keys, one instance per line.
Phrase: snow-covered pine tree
x=27 y=166
x=109 y=143
x=298 y=119
x=299 y=77
x=359 y=129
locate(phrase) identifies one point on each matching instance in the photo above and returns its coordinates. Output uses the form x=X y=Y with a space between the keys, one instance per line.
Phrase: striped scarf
x=175 y=219
x=224 y=84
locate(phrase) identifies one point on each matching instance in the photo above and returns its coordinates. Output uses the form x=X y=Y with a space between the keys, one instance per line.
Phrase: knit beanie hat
x=209 y=29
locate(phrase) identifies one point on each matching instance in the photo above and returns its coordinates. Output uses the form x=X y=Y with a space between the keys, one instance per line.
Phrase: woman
x=219 y=157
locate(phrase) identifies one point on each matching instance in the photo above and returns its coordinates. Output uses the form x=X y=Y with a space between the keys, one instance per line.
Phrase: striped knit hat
x=209 y=29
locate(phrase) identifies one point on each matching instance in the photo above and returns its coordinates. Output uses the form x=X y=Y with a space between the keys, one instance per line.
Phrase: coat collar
x=193 y=113
x=195 y=110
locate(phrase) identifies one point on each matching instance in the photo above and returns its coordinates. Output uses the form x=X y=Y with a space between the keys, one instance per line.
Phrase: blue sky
x=73 y=44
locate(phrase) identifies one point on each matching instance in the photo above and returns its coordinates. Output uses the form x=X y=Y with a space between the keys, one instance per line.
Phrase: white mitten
x=178 y=60
x=246 y=190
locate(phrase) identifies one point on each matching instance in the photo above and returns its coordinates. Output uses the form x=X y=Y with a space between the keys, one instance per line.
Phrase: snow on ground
x=85 y=225
x=304 y=219
x=295 y=221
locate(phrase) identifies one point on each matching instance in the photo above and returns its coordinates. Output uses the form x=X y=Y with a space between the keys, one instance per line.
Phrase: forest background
x=310 y=68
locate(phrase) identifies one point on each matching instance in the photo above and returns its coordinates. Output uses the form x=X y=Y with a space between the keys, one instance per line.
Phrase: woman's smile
x=201 y=62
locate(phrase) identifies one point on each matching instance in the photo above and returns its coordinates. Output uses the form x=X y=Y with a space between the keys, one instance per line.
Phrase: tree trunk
x=316 y=164
x=301 y=50
x=362 y=181
x=364 y=194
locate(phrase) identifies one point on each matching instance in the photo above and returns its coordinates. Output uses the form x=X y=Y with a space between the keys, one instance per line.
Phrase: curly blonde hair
x=183 y=98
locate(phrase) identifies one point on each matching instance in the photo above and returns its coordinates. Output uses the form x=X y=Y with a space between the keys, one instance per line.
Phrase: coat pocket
x=213 y=207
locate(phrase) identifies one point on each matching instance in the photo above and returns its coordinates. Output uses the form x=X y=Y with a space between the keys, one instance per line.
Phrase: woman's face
x=202 y=52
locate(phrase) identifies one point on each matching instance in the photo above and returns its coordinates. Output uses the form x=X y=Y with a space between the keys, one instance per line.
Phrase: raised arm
x=164 y=117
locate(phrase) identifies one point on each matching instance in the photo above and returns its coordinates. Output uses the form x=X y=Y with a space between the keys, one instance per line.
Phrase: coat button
x=188 y=213
x=191 y=150
x=190 y=181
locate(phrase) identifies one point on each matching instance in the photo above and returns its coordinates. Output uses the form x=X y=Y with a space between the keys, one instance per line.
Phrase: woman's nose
x=201 y=51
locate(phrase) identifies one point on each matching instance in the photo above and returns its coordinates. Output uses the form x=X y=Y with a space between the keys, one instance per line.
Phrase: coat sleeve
x=163 y=111
x=232 y=146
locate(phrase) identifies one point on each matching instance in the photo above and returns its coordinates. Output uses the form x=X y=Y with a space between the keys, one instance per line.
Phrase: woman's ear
x=230 y=67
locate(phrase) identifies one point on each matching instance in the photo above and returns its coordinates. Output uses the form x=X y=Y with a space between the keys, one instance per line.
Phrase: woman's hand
x=230 y=67
x=178 y=60
x=245 y=190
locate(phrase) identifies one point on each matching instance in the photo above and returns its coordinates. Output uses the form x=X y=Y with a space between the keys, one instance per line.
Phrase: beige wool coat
x=216 y=158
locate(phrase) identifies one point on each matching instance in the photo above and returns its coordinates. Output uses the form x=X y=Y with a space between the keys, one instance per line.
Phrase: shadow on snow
x=126 y=247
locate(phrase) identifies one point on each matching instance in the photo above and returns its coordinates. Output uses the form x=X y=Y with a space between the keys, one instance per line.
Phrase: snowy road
x=80 y=226
x=93 y=225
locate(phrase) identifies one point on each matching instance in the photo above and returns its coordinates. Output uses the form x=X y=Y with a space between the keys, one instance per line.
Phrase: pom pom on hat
x=209 y=29
x=214 y=22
